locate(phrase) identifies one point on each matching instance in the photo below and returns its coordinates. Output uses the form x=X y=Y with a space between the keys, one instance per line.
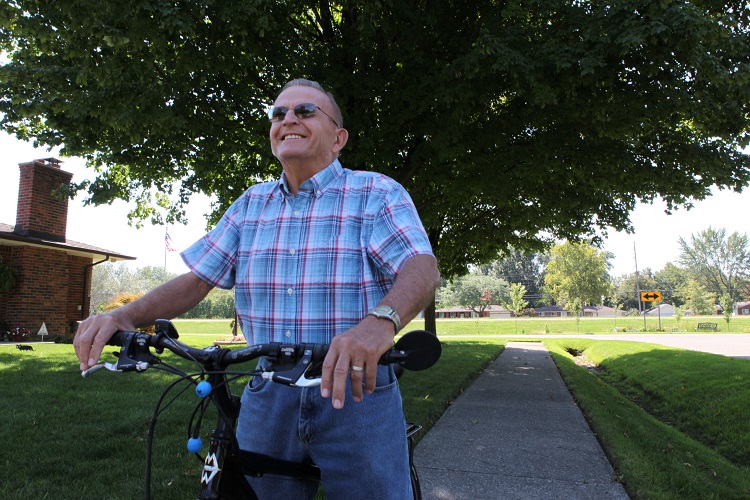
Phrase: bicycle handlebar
x=415 y=350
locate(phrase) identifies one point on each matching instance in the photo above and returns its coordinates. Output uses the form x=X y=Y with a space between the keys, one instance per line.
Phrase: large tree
x=719 y=262
x=577 y=271
x=669 y=280
x=510 y=123
x=525 y=268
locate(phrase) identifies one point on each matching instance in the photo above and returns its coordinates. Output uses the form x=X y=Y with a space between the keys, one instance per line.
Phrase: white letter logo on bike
x=210 y=469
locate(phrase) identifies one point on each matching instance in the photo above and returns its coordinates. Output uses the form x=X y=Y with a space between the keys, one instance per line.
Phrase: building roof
x=9 y=238
x=558 y=308
x=490 y=307
x=550 y=308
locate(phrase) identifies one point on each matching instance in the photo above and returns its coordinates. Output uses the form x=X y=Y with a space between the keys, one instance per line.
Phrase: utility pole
x=638 y=289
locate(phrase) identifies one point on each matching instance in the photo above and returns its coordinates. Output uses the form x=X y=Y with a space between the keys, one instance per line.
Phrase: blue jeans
x=361 y=449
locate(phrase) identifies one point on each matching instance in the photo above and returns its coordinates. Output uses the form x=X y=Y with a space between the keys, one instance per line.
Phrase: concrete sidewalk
x=515 y=433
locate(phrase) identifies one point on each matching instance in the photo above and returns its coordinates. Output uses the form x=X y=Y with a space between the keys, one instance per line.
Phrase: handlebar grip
x=120 y=338
x=415 y=350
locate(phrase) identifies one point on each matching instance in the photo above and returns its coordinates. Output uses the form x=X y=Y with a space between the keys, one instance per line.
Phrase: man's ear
x=342 y=135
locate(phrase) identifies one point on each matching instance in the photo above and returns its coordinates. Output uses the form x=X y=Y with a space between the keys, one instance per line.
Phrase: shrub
x=126 y=298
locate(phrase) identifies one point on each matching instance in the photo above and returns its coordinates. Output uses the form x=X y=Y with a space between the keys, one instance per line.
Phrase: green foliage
x=516 y=266
x=111 y=279
x=516 y=302
x=670 y=279
x=696 y=298
x=577 y=271
x=122 y=299
x=474 y=291
x=626 y=288
x=719 y=262
x=511 y=124
x=217 y=304
x=8 y=275
x=727 y=305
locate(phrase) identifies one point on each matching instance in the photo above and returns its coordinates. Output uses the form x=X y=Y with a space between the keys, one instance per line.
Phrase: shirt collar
x=318 y=183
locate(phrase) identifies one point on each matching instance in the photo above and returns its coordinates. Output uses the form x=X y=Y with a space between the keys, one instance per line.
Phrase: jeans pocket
x=386 y=380
x=393 y=386
x=256 y=384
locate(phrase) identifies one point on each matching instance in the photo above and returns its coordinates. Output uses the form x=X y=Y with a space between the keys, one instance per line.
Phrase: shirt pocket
x=338 y=261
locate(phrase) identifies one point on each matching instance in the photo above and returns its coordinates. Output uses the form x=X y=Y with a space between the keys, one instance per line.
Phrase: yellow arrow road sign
x=651 y=296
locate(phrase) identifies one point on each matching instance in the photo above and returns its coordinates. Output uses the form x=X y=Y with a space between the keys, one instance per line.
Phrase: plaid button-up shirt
x=306 y=267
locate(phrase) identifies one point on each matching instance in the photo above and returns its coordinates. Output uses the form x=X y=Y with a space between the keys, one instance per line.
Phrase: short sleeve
x=213 y=257
x=397 y=233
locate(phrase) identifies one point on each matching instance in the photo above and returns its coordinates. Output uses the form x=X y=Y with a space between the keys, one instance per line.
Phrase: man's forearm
x=414 y=287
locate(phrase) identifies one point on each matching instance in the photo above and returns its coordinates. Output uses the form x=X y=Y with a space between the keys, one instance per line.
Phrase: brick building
x=53 y=284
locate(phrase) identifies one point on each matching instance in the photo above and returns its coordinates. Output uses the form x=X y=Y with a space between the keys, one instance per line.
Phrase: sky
x=653 y=244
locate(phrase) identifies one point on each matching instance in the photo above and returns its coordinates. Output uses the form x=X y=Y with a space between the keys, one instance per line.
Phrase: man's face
x=315 y=140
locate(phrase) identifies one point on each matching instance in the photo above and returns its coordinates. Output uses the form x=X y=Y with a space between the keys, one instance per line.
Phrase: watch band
x=387 y=312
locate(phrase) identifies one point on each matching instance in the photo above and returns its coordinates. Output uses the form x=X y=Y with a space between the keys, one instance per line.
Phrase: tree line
x=713 y=269
x=113 y=283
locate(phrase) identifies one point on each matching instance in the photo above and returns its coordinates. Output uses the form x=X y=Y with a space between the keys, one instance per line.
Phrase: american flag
x=168 y=242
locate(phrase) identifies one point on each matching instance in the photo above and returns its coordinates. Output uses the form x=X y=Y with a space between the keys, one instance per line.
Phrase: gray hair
x=310 y=83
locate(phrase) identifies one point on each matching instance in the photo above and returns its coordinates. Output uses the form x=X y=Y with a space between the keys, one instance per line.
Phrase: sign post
x=652 y=296
x=43 y=331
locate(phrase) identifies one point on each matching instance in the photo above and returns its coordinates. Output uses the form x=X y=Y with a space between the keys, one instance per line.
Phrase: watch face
x=387 y=312
x=384 y=311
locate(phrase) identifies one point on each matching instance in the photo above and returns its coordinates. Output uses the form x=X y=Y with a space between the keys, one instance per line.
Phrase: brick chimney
x=41 y=214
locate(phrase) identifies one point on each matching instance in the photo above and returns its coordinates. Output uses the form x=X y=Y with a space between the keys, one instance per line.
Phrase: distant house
x=53 y=284
x=552 y=311
x=588 y=311
x=601 y=312
x=454 y=312
x=742 y=308
x=661 y=310
x=492 y=311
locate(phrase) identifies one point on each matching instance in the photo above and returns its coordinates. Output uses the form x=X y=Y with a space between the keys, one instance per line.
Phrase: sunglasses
x=301 y=111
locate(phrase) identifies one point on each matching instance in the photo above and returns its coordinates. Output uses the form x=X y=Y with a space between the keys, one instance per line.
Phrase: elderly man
x=324 y=254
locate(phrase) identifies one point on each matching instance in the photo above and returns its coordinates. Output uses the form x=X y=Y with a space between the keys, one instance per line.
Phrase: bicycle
x=225 y=465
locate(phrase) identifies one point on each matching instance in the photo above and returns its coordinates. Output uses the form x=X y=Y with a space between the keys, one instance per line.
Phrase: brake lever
x=286 y=379
x=109 y=366
x=296 y=376
x=139 y=367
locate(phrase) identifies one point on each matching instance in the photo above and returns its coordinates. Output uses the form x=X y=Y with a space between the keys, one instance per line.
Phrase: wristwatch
x=387 y=312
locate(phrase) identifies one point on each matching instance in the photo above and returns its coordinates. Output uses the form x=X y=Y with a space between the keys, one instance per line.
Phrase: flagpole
x=166 y=233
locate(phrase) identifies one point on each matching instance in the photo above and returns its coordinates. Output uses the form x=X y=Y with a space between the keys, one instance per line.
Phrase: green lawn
x=672 y=421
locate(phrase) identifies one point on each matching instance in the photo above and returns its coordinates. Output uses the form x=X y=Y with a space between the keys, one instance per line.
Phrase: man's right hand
x=93 y=334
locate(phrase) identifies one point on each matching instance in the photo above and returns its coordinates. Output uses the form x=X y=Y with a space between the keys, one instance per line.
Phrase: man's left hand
x=355 y=354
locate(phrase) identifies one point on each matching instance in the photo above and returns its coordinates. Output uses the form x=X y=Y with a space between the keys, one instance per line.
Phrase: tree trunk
x=429 y=318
